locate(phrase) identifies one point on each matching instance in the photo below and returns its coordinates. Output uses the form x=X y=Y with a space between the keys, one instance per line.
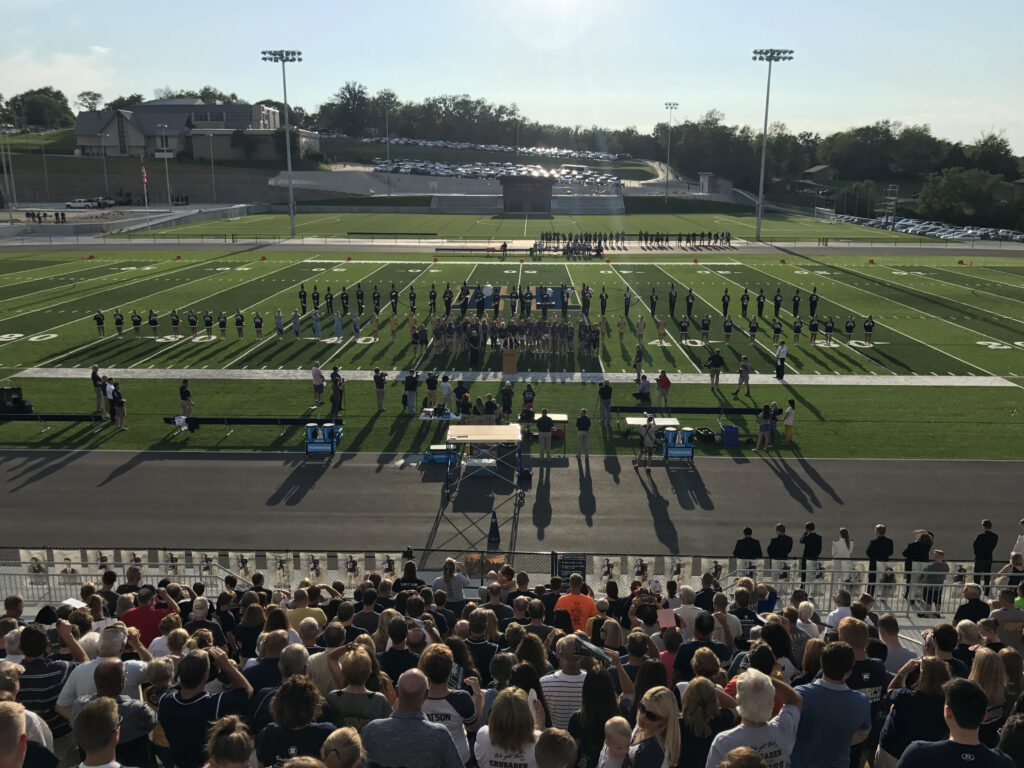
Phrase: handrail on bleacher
x=687 y=409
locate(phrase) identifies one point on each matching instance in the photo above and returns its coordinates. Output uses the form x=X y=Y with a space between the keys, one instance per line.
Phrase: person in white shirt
x=806 y=622
x=842 y=601
x=889 y=633
x=843 y=546
x=113 y=641
x=687 y=612
x=563 y=690
x=1018 y=545
x=446 y=393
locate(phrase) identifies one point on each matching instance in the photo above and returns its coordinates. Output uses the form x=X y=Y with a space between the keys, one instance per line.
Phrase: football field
x=947 y=347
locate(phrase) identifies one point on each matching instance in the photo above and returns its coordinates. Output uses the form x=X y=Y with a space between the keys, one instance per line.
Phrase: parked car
x=80 y=203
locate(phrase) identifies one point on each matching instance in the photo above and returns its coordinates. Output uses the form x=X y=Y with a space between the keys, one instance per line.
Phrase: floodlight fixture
x=286 y=57
x=670 y=106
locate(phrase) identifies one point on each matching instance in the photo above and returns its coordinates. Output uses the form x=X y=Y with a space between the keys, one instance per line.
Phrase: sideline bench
x=46 y=418
x=252 y=421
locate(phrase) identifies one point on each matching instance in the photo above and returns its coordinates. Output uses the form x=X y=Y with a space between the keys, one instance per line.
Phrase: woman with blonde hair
x=916 y=713
x=343 y=749
x=705 y=712
x=612 y=636
x=656 y=736
x=805 y=622
x=229 y=743
x=990 y=675
x=380 y=637
x=452 y=581
x=510 y=733
x=355 y=705
x=378 y=681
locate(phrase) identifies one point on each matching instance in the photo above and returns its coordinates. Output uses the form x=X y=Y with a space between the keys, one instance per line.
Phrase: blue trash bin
x=730 y=436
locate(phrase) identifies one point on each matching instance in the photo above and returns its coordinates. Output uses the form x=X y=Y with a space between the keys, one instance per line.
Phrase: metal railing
x=53 y=574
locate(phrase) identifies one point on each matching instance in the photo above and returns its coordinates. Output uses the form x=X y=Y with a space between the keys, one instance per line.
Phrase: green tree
x=42 y=108
x=89 y=100
x=992 y=153
x=124 y=102
x=916 y=152
x=279 y=144
x=962 y=196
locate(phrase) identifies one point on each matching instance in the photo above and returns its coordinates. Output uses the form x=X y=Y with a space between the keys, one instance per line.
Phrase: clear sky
x=958 y=66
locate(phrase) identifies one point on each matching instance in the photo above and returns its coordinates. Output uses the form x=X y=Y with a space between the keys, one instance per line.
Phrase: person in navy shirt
x=703 y=628
x=963 y=712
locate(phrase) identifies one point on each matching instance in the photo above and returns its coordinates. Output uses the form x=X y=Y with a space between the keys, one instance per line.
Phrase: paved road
x=380 y=502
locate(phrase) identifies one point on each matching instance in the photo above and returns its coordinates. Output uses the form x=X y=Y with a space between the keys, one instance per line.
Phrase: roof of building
x=149 y=122
x=173 y=102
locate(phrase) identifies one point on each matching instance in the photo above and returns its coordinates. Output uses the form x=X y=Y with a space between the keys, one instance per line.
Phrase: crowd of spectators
x=403 y=673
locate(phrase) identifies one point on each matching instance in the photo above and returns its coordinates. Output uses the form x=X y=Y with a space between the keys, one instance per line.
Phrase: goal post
x=826 y=214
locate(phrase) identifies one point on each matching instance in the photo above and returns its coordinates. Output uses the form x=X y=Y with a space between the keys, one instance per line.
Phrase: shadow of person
x=613 y=467
x=587 y=500
x=816 y=478
x=789 y=482
x=302 y=480
x=542 y=501
x=664 y=528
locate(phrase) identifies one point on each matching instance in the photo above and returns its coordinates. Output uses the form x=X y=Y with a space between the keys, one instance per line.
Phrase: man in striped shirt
x=42 y=680
x=563 y=690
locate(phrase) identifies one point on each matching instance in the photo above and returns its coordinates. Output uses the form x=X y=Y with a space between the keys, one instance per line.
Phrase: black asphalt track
x=385 y=502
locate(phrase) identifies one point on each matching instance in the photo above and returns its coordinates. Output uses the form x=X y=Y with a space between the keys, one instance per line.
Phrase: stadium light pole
x=669 y=105
x=167 y=170
x=286 y=57
x=387 y=141
x=771 y=55
x=213 y=173
x=103 y=152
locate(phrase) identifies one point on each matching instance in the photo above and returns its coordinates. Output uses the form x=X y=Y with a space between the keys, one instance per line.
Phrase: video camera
x=584 y=648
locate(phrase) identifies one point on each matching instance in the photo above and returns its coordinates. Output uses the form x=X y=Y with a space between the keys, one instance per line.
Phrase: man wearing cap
x=146 y=617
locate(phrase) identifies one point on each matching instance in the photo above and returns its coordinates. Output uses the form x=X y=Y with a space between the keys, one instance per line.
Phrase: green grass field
x=935 y=319
x=740 y=222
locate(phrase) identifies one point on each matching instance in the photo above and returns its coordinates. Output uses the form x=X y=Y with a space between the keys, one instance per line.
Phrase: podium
x=508 y=362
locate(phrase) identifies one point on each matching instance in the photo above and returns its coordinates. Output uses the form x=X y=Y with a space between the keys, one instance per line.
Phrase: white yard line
x=301 y=374
x=164 y=348
x=76 y=283
x=901 y=332
x=672 y=336
x=929 y=314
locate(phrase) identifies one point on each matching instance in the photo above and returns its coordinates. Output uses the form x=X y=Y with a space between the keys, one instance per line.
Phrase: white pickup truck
x=80 y=202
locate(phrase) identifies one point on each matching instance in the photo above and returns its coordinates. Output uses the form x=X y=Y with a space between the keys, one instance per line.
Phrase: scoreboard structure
x=526 y=194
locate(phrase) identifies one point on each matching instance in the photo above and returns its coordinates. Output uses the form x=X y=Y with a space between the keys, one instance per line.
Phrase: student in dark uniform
x=175 y=322
x=812 y=326
x=376 y=300
x=193 y=322
x=984 y=546
x=829 y=326
x=776 y=331
x=302 y=297
x=752 y=329
x=798 y=328
x=879 y=550
x=851 y=326
x=760 y=303
x=654 y=301
x=98 y=317
x=777 y=301
x=780 y=547
x=627 y=299
x=812 y=549
x=869 y=328
x=154 y=323
x=690 y=298
x=344 y=300
x=727 y=328
x=725 y=302
x=448 y=296
x=208 y=324
x=527 y=302
x=119 y=323
x=604 y=301
x=257 y=324
x=812 y=300
x=240 y=321
x=705 y=328
x=464 y=300
x=185 y=394
x=360 y=296
x=744 y=301
x=585 y=294
x=316 y=299
x=222 y=325
x=796 y=302
x=513 y=301
x=478 y=296
x=393 y=296
x=684 y=329
x=432 y=299
x=329 y=301
x=412 y=299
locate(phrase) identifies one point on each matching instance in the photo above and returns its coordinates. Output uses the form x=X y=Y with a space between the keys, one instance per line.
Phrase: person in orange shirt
x=580 y=606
